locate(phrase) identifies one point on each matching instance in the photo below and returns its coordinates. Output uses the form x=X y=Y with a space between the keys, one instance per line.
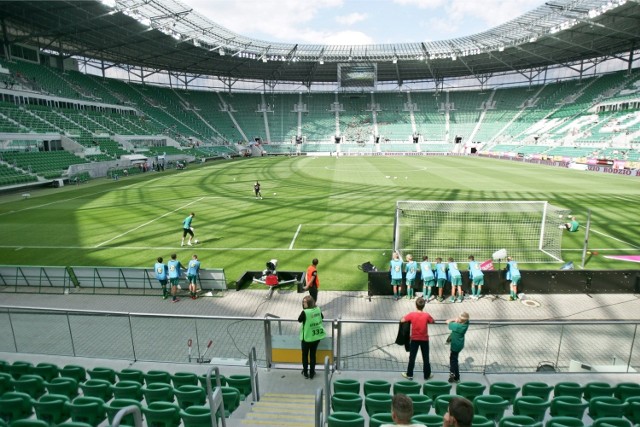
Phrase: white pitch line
x=614 y=238
x=295 y=236
x=147 y=223
x=200 y=247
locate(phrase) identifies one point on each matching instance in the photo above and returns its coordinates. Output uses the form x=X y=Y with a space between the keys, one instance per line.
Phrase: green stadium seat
x=151 y=377
x=76 y=372
x=625 y=390
x=185 y=378
x=242 y=383
x=568 y=389
x=106 y=374
x=158 y=392
x=31 y=384
x=203 y=381
x=115 y=405
x=470 y=389
x=539 y=389
x=376 y=403
x=19 y=368
x=63 y=385
x=97 y=388
x=131 y=375
x=29 y=423
x=597 y=389
x=568 y=406
x=611 y=422
x=231 y=399
x=196 y=416
x=162 y=414
x=346 y=402
x=379 y=419
x=52 y=408
x=429 y=420
x=481 y=421
x=86 y=409
x=421 y=403
x=189 y=395
x=441 y=404
x=490 y=406
x=73 y=424
x=434 y=389
x=633 y=410
x=406 y=387
x=15 y=406
x=346 y=384
x=127 y=390
x=47 y=371
x=6 y=383
x=518 y=421
x=345 y=419
x=606 y=407
x=376 y=386
x=531 y=406
x=564 y=422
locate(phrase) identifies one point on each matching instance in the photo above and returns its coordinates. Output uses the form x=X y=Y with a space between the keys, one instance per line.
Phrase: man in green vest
x=311 y=332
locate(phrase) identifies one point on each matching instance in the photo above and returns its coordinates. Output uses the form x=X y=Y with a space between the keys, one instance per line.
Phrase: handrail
x=327 y=386
x=214 y=397
x=319 y=421
x=253 y=370
x=133 y=409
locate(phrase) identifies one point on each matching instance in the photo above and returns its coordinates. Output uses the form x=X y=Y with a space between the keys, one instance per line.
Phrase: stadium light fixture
x=395 y=60
x=321 y=61
x=221 y=51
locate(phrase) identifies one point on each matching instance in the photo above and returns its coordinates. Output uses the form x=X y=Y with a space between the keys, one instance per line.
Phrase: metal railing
x=490 y=347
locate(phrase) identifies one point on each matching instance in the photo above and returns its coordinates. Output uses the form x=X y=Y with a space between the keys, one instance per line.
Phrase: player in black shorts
x=256 y=189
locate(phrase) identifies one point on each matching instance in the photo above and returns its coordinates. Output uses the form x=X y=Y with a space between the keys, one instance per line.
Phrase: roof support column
x=5 y=40
x=630 y=62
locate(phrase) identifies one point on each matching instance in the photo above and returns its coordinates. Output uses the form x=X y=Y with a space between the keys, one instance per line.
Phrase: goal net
x=528 y=230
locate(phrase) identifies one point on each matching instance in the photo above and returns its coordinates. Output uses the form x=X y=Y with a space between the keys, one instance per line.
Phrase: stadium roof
x=167 y=35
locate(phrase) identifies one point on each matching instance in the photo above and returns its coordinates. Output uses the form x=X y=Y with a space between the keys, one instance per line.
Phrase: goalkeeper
x=571 y=226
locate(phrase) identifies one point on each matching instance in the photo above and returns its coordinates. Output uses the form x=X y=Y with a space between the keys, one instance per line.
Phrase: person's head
x=471 y=258
x=573 y=218
x=463 y=317
x=401 y=409
x=308 y=302
x=460 y=413
x=450 y=259
x=420 y=303
x=509 y=258
x=174 y=256
x=314 y=261
x=396 y=255
x=193 y=214
x=160 y=259
x=409 y=257
x=425 y=258
x=195 y=256
x=438 y=260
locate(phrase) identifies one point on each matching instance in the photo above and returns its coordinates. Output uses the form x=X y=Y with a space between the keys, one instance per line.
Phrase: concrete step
x=282 y=409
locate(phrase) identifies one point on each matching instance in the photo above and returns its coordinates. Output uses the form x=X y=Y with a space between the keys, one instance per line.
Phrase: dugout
x=533 y=281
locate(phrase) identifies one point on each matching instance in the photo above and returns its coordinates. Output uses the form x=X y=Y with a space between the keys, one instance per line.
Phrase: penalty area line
x=295 y=236
x=146 y=223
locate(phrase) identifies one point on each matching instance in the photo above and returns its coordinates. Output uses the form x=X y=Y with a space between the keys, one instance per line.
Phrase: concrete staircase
x=281 y=409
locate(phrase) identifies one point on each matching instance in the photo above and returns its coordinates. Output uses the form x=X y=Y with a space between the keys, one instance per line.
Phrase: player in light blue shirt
x=411 y=269
x=441 y=277
x=513 y=274
x=477 y=278
x=175 y=270
x=161 y=271
x=455 y=277
x=395 y=267
x=428 y=279
x=192 y=274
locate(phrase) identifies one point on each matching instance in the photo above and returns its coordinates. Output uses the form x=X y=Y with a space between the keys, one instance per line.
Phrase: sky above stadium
x=360 y=21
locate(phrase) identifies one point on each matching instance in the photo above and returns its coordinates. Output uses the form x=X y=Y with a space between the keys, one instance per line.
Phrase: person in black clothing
x=256 y=189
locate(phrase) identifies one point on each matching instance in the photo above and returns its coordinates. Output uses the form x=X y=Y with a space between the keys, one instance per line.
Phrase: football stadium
x=173 y=192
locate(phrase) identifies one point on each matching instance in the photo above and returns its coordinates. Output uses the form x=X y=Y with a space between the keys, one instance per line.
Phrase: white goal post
x=528 y=230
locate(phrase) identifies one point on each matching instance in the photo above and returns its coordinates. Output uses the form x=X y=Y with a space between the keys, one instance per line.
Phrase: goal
x=528 y=230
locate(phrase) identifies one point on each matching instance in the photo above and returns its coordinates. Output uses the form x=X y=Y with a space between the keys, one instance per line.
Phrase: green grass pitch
x=338 y=210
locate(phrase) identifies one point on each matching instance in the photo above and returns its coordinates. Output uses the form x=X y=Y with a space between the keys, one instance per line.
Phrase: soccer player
x=395 y=267
x=192 y=276
x=161 y=271
x=571 y=226
x=441 y=277
x=187 y=228
x=428 y=279
x=455 y=277
x=513 y=274
x=410 y=268
x=256 y=189
x=175 y=269
x=477 y=278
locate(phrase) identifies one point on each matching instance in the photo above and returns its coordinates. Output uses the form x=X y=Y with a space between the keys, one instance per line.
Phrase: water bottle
x=522 y=296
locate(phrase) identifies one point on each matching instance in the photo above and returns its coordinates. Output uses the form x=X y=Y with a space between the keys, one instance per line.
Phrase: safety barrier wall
x=491 y=346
